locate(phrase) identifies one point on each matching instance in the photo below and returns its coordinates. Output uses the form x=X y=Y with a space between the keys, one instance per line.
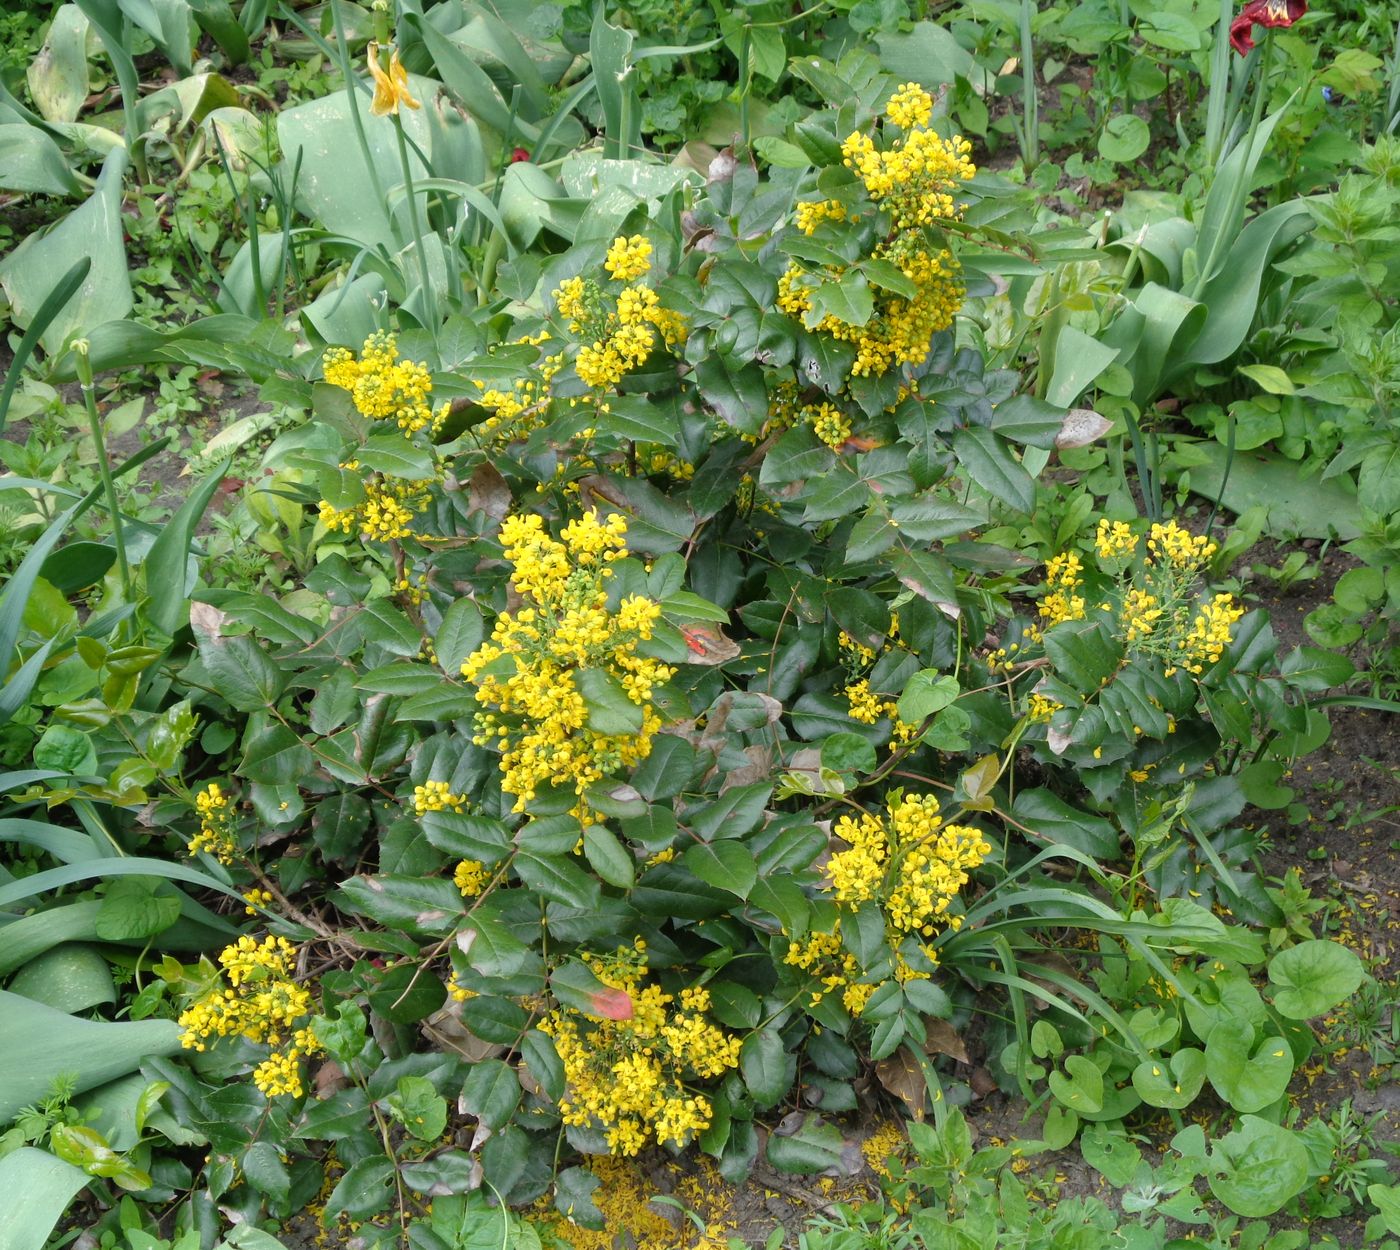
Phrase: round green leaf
x=1080 y=1086
x=1124 y=139
x=1247 y=1076
x=1174 y=1083
x=1261 y=1166
x=1312 y=977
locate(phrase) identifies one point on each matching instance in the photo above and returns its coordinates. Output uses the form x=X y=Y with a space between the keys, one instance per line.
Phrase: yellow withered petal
x=391 y=89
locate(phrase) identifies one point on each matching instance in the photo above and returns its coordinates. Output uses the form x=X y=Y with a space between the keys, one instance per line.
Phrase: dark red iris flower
x=1263 y=13
x=519 y=154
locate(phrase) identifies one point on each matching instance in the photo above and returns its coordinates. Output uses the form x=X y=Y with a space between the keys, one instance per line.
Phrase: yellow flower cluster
x=256 y=899
x=911 y=864
x=1153 y=602
x=1179 y=547
x=910 y=107
x=520 y=408
x=1114 y=539
x=436 y=796
x=898 y=330
x=1041 y=708
x=908 y=859
x=832 y=967
x=619 y=330
x=1139 y=614
x=470 y=876
x=628 y=259
x=386 y=512
x=634 y=1077
x=526 y=675
x=383 y=387
x=811 y=213
x=216 y=825
x=1062 y=578
x=1210 y=633
x=867 y=706
x=262 y=1003
x=914 y=178
x=828 y=423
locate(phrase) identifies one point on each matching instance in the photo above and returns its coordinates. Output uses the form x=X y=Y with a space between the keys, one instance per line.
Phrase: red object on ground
x=523 y=154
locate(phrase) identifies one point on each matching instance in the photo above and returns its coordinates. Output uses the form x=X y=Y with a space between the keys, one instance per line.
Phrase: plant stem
x=343 y=51
x=745 y=82
x=84 y=367
x=429 y=295
x=1030 y=105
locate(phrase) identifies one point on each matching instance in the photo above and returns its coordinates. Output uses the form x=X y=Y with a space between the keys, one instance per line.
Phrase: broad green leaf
x=94 y=230
x=421 y=1109
x=1080 y=1086
x=1269 y=378
x=1249 y=1077
x=1125 y=137
x=39 y=1188
x=491 y=1092
x=726 y=865
x=74 y=977
x=816 y=1146
x=166 y=565
x=1171 y=1084
x=1258 y=1167
x=1050 y=818
x=1314 y=977
x=990 y=464
x=39 y=1043
x=31 y=162
x=58 y=76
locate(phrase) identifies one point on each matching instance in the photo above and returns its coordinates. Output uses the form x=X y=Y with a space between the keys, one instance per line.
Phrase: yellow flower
x=811 y=213
x=470 y=877
x=828 y=423
x=217 y=831
x=391 y=89
x=435 y=796
x=911 y=106
x=262 y=1003
x=1114 y=539
x=1178 y=546
x=632 y=1077
x=628 y=259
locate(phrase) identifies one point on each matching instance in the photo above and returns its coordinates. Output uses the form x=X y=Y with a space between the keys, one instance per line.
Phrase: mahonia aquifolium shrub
x=595 y=829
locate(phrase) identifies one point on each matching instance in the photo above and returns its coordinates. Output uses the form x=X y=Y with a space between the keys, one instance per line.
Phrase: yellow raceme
x=634 y=1078
x=262 y=1003
x=526 y=675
